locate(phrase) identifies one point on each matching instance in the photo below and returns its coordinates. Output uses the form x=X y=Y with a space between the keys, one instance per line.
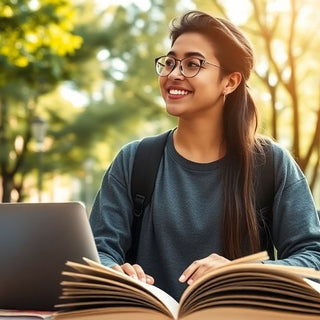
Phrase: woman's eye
x=169 y=63
x=193 y=64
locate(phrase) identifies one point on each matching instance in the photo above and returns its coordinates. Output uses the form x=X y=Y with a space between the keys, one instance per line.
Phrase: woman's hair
x=234 y=53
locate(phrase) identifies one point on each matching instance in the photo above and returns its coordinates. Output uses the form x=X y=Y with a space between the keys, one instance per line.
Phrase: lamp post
x=39 y=129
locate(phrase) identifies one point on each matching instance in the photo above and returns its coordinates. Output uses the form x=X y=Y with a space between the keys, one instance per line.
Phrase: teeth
x=178 y=92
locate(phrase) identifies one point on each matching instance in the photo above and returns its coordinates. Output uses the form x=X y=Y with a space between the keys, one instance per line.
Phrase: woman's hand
x=200 y=267
x=134 y=271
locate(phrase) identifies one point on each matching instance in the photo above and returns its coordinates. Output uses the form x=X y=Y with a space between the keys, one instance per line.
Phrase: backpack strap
x=264 y=186
x=144 y=173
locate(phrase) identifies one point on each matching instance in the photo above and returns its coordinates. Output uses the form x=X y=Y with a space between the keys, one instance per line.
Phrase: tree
x=290 y=73
x=35 y=38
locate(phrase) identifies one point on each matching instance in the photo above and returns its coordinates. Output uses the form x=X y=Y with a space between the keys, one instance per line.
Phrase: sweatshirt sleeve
x=295 y=225
x=111 y=216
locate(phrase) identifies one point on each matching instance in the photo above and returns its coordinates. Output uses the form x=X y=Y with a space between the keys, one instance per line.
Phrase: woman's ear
x=232 y=82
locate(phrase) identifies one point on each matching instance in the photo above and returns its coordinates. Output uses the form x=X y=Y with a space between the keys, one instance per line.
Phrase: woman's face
x=197 y=96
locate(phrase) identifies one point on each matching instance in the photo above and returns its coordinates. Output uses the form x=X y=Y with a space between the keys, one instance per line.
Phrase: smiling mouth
x=178 y=92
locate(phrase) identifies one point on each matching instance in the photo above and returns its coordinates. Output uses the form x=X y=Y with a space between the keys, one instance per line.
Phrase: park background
x=77 y=82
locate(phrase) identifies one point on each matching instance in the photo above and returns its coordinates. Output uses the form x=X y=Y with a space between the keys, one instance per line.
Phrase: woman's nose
x=176 y=73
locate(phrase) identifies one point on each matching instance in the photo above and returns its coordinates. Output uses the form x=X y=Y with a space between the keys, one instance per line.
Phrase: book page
x=170 y=303
x=282 y=282
x=24 y=314
x=247 y=313
x=252 y=258
x=119 y=279
x=313 y=284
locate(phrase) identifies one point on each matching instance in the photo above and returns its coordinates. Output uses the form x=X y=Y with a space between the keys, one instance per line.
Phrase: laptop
x=36 y=239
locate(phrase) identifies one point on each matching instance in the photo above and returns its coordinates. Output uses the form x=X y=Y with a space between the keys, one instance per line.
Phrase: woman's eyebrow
x=187 y=54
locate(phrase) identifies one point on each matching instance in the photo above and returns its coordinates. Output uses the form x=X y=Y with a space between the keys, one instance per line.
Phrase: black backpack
x=145 y=169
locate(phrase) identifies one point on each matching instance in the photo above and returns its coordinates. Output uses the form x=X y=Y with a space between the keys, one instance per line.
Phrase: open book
x=242 y=289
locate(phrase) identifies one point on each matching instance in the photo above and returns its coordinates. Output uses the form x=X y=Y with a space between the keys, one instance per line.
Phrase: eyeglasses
x=189 y=66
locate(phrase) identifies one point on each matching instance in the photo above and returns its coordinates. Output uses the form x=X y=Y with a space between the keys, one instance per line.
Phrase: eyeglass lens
x=189 y=66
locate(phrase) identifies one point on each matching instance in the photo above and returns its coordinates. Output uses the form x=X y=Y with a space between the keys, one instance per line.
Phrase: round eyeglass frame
x=202 y=62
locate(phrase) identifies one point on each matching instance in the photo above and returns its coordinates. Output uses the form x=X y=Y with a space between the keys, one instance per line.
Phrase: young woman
x=203 y=209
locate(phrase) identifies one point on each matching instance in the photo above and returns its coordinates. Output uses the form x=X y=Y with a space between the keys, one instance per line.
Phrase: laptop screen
x=36 y=239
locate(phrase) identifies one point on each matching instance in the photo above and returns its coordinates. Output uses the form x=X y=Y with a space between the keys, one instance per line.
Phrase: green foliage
x=32 y=31
x=35 y=38
x=118 y=58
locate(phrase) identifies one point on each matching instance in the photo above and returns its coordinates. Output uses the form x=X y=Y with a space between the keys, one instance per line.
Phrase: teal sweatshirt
x=182 y=222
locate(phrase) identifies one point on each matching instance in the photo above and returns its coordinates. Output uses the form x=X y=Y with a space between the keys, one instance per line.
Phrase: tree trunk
x=7 y=187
